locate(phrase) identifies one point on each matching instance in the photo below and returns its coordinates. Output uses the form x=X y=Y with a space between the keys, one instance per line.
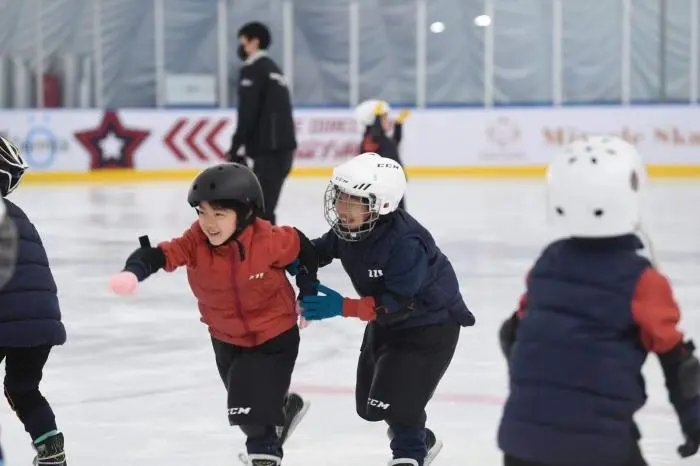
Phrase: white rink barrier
x=164 y=144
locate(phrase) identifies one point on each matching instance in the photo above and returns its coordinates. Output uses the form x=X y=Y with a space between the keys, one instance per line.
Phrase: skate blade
x=433 y=452
x=297 y=419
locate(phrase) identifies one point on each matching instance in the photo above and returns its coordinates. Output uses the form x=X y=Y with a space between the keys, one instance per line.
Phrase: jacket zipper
x=237 y=296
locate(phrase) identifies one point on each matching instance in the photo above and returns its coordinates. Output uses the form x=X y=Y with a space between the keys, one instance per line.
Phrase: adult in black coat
x=265 y=127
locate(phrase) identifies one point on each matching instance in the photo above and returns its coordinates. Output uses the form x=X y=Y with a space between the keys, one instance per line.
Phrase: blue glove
x=322 y=307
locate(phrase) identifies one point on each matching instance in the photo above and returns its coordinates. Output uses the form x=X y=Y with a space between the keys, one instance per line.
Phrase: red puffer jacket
x=244 y=301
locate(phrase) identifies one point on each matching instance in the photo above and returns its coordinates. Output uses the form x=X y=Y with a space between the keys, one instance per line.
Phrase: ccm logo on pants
x=377 y=403
x=238 y=411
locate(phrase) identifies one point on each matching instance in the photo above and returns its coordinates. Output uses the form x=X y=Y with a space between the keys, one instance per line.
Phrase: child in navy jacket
x=30 y=322
x=410 y=298
x=592 y=311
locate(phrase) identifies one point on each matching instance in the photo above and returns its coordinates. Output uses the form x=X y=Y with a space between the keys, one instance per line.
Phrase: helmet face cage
x=343 y=230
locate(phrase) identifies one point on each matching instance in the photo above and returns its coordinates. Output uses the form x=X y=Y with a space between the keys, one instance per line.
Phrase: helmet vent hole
x=598 y=212
x=611 y=151
x=572 y=160
x=212 y=186
x=594 y=160
x=634 y=181
x=589 y=149
x=560 y=211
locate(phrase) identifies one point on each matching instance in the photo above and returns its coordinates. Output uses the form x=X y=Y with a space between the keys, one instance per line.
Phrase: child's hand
x=303 y=323
x=123 y=283
x=403 y=115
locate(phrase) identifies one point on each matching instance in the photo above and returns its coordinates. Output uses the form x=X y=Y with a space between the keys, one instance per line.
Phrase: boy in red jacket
x=236 y=269
x=594 y=308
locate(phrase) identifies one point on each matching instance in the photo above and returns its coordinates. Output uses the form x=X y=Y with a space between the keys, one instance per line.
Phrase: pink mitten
x=123 y=283
x=303 y=323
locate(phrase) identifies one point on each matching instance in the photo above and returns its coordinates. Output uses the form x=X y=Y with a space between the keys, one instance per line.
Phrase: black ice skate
x=433 y=444
x=50 y=452
x=295 y=408
x=264 y=460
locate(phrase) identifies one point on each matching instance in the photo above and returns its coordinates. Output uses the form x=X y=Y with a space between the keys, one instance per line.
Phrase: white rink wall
x=61 y=144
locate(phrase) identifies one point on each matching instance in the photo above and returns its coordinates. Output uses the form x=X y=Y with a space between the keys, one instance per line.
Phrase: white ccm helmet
x=364 y=113
x=373 y=181
x=594 y=188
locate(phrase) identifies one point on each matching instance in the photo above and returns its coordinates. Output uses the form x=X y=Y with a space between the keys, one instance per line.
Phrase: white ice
x=136 y=383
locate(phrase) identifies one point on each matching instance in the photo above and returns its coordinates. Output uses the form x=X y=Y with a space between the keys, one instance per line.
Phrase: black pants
x=257 y=380
x=272 y=170
x=636 y=459
x=397 y=374
x=23 y=371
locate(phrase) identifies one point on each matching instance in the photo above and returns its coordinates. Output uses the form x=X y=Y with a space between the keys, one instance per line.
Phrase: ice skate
x=295 y=408
x=264 y=460
x=432 y=443
x=403 y=462
x=49 y=452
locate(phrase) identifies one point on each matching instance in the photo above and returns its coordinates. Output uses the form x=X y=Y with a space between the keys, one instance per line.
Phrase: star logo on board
x=111 y=144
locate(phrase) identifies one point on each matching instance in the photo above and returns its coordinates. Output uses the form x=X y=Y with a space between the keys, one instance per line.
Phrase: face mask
x=241 y=52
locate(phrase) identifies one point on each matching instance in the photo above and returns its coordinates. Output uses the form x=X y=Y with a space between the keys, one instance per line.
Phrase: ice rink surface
x=136 y=384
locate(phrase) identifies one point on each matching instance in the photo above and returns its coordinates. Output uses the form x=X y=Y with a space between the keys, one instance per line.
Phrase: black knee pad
x=256 y=431
x=23 y=401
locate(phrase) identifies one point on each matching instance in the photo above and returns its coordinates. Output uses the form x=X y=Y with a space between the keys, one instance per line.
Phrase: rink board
x=146 y=145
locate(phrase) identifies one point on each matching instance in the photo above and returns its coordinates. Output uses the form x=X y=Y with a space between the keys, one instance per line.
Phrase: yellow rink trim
x=133 y=176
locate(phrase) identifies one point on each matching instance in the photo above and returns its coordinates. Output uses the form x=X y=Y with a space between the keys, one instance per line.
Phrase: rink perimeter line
x=129 y=175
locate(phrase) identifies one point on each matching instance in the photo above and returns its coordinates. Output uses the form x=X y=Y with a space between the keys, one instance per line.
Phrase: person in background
x=373 y=117
x=265 y=128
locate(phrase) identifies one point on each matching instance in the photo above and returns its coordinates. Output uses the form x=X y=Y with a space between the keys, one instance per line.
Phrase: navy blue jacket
x=29 y=311
x=575 y=368
x=399 y=258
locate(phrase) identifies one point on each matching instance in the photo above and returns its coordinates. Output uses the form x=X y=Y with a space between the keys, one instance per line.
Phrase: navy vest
x=438 y=298
x=29 y=310
x=575 y=369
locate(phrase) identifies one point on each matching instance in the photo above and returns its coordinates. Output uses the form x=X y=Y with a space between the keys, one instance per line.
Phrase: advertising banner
x=167 y=140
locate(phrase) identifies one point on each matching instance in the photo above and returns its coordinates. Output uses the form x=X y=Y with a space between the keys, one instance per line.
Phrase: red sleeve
x=284 y=246
x=181 y=251
x=362 y=308
x=656 y=313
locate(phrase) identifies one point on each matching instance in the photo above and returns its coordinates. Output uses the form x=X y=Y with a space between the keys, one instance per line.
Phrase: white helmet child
x=594 y=188
x=364 y=113
x=360 y=191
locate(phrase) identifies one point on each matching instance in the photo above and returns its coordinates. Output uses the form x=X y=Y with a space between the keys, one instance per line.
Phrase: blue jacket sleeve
x=404 y=274
x=326 y=248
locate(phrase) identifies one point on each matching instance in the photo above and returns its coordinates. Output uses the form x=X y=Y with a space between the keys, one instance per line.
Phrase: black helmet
x=227 y=182
x=12 y=166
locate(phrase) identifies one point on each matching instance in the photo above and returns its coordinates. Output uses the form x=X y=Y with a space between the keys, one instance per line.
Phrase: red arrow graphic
x=211 y=138
x=192 y=144
x=170 y=139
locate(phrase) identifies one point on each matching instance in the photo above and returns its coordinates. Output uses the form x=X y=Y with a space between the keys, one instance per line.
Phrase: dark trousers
x=397 y=374
x=257 y=380
x=23 y=372
x=636 y=459
x=272 y=170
